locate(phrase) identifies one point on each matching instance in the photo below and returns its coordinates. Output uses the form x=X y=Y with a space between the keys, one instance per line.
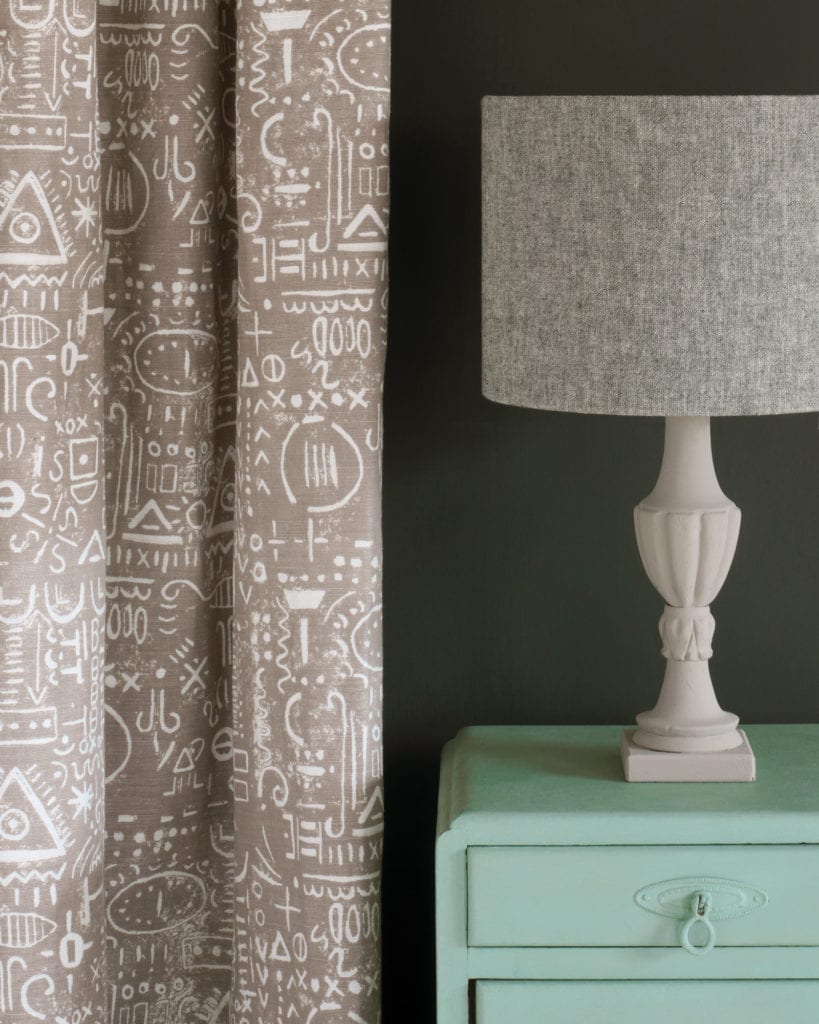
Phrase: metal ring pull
x=700 y=909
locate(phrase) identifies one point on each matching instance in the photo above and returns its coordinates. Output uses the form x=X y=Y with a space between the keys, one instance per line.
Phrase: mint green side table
x=565 y=894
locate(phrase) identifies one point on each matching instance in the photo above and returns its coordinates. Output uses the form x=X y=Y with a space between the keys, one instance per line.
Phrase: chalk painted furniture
x=565 y=894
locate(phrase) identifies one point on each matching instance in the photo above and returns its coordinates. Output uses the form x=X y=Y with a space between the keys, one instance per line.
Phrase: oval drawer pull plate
x=700 y=901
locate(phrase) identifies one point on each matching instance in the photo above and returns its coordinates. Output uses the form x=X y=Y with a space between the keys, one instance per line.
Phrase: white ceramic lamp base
x=643 y=765
x=687 y=532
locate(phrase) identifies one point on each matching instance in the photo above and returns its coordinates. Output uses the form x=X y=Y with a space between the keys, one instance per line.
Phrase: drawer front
x=612 y=896
x=646 y=1002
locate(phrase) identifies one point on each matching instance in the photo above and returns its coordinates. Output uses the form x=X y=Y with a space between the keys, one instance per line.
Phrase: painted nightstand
x=564 y=893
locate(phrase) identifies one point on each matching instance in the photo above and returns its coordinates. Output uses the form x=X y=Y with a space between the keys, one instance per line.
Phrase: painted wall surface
x=513 y=587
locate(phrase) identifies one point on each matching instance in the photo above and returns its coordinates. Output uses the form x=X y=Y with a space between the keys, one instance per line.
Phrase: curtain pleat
x=312 y=202
x=169 y=225
x=52 y=529
x=193 y=287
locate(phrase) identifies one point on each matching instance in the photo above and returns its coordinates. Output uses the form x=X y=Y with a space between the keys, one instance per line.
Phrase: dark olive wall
x=514 y=592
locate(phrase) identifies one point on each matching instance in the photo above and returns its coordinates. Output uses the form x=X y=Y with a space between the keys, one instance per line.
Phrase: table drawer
x=646 y=1002
x=641 y=896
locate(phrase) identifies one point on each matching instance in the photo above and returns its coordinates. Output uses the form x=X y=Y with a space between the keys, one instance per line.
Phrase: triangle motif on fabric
x=29 y=234
x=27 y=832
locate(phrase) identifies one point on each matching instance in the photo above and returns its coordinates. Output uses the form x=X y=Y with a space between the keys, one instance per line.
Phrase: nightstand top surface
x=564 y=785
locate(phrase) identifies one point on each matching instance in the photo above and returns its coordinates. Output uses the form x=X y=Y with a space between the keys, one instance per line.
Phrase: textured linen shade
x=651 y=255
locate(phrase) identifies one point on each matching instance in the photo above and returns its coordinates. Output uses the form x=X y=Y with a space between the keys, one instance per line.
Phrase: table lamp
x=657 y=256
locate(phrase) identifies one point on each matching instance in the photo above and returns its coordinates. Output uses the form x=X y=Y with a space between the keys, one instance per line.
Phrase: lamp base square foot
x=643 y=765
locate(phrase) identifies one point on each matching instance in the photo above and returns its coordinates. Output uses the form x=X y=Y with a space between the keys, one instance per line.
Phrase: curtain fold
x=193 y=286
x=312 y=197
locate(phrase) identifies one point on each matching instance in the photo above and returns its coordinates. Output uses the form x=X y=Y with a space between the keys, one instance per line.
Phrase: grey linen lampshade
x=651 y=255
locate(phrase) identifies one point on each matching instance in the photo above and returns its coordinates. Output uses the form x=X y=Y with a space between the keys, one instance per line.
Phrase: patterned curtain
x=193 y=300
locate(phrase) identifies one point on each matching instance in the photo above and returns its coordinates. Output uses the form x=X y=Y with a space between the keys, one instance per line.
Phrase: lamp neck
x=687 y=477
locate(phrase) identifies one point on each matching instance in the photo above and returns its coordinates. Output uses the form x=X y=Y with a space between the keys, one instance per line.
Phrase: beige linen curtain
x=193 y=288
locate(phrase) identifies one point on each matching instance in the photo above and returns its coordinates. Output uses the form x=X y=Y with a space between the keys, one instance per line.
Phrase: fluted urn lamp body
x=687 y=533
x=657 y=256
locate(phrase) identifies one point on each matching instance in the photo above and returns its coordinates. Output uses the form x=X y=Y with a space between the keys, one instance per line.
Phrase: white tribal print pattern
x=193 y=297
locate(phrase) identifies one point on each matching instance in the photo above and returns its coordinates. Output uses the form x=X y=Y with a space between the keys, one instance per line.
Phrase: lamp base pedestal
x=643 y=765
x=687 y=531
